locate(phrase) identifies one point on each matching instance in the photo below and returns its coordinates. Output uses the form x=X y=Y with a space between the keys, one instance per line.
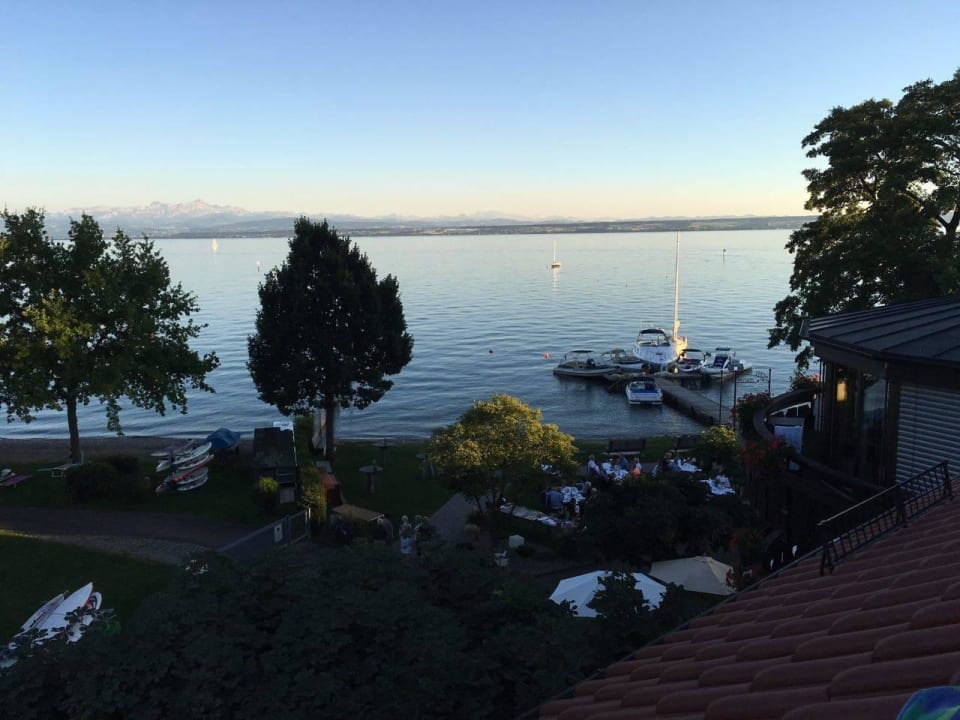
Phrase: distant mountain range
x=202 y=219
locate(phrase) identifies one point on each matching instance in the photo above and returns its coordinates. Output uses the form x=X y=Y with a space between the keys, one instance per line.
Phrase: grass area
x=33 y=571
x=401 y=489
x=226 y=495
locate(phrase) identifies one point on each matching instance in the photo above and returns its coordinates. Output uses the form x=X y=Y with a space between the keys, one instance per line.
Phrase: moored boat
x=691 y=361
x=584 y=363
x=655 y=346
x=725 y=364
x=644 y=391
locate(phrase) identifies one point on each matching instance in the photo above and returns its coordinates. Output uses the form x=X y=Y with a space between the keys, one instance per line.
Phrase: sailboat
x=555 y=265
x=655 y=346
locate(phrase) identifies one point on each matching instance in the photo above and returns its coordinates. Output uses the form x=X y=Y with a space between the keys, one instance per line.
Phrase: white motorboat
x=555 y=265
x=584 y=363
x=644 y=391
x=691 y=361
x=655 y=346
x=725 y=364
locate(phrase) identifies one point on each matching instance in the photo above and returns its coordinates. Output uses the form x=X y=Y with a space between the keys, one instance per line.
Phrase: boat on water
x=62 y=614
x=555 y=265
x=585 y=363
x=655 y=346
x=691 y=361
x=644 y=391
x=725 y=364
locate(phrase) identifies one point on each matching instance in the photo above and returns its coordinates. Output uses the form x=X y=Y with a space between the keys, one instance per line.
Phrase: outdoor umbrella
x=698 y=574
x=579 y=590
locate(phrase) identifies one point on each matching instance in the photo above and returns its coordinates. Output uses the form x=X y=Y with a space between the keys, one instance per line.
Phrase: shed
x=275 y=456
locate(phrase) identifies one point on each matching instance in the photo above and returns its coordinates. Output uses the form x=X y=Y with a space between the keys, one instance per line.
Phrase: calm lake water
x=485 y=313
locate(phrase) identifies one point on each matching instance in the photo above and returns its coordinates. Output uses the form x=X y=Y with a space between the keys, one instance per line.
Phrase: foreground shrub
x=91 y=481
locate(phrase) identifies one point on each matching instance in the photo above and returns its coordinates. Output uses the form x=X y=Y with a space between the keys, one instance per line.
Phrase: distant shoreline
x=353 y=229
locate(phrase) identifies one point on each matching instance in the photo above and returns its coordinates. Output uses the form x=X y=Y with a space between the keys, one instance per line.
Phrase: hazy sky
x=582 y=109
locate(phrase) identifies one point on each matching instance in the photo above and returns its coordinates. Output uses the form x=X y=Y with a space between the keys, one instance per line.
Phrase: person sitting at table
x=554 y=500
x=593 y=470
x=637 y=469
x=666 y=463
x=622 y=463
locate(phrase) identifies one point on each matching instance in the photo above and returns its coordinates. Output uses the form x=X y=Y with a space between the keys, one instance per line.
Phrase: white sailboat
x=555 y=265
x=655 y=346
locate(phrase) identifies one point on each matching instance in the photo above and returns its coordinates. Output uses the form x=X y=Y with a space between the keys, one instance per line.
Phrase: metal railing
x=848 y=531
x=283 y=532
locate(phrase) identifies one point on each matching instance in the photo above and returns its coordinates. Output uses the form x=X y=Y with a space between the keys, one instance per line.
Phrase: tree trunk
x=330 y=407
x=74 y=429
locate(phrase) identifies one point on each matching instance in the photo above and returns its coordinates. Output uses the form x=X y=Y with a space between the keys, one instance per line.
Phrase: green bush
x=127 y=465
x=91 y=481
x=745 y=409
x=266 y=495
x=717 y=444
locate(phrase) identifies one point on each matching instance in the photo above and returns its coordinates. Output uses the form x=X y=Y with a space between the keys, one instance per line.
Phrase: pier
x=702 y=409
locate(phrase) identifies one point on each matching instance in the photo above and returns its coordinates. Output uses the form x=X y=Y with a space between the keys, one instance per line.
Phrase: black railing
x=848 y=531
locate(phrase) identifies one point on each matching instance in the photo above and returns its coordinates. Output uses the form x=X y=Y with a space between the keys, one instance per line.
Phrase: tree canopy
x=328 y=332
x=889 y=203
x=92 y=319
x=498 y=443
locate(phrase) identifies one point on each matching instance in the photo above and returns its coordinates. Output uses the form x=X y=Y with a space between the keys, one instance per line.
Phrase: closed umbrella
x=698 y=574
x=579 y=590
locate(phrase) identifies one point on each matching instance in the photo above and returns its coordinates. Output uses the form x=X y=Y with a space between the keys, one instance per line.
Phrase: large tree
x=889 y=202
x=91 y=319
x=328 y=332
x=498 y=444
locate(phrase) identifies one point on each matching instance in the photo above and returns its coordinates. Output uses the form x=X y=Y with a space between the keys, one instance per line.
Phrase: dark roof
x=855 y=644
x=924 y=331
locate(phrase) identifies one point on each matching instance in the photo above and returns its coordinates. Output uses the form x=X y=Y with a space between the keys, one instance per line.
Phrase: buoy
x=546 y=356
x=490 y=351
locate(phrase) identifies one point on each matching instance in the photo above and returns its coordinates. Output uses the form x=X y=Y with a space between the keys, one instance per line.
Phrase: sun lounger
x=12 y=480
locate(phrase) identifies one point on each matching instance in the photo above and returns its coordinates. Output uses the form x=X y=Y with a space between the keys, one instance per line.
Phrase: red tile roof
x=854 y=644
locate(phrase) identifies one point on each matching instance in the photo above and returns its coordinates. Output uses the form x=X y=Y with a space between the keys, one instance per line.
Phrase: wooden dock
x=700 y=408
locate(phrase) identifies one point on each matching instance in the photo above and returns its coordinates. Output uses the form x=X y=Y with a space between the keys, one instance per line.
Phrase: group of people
x=613 y=470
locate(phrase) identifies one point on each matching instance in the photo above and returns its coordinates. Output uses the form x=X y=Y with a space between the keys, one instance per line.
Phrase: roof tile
x=852 y=644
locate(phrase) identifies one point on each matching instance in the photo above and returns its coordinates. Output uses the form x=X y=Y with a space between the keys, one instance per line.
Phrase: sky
x=524 y=108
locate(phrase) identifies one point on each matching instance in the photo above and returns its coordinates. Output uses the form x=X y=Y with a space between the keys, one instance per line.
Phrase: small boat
x=223 y=440
x=187 y=456
x=655 y=346
x=193 y=481
x=584 y=363
x=725 y=364
x=691 y=361
x=555 y=265
x=644 y=391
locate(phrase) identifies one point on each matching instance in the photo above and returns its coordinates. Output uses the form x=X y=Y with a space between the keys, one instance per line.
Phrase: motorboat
x=584 y=363
x=691 y=361
x=644 y=391
x=725 y=364
x=555 y=265
x=655 y=346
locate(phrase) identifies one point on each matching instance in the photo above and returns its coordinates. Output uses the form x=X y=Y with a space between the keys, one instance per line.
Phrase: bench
x=627 y=446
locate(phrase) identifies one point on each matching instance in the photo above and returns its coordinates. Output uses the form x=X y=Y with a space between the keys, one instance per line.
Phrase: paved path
x=166 y=537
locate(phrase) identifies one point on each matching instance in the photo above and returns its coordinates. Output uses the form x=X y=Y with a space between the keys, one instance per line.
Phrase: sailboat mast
x=676 y=292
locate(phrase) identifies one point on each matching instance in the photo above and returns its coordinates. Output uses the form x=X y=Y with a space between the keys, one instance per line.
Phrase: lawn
x=33 y=571
x=403 y=488
x=226 y=495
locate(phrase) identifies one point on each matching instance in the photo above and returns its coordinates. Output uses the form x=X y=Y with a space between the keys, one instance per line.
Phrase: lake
x=488 y=315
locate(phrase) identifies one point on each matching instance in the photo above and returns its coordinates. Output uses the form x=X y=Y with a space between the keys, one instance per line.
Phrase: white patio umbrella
x=579 y=590
x=698 y=574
